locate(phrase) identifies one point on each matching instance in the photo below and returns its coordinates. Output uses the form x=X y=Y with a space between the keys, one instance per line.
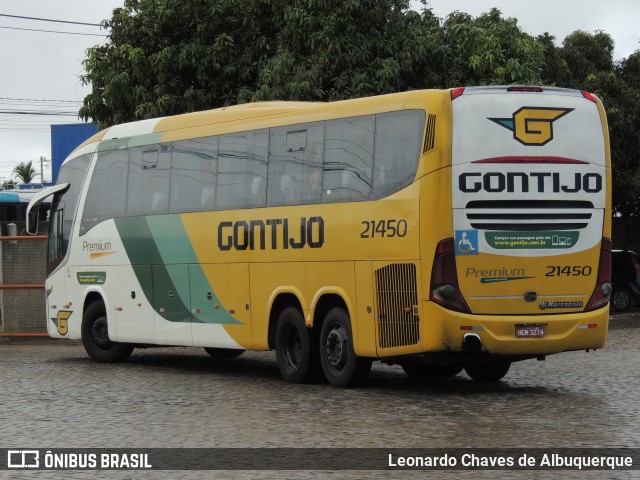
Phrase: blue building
x=64 y=140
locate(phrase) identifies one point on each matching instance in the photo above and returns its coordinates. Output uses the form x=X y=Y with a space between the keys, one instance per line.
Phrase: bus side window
x=148 y=188
x=398 y=140
x=194 y=167
x=348 y=159
x=242 y=170
x=107 y=193
x=295 y=164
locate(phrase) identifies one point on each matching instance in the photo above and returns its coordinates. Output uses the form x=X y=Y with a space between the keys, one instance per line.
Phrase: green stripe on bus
x=162 y=241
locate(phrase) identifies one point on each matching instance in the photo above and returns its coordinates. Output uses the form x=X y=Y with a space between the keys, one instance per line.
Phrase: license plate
x=531 y=330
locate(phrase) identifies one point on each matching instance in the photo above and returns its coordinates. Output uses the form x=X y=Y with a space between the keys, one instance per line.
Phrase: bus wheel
x=488 y=372
x=95 y=337
x=423 y=371
x=621 y=300
x=297 y=355
x=340 y=365
x=224 y=352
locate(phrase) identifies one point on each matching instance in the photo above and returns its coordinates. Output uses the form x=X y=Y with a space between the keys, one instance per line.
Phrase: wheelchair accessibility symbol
x=466 y=242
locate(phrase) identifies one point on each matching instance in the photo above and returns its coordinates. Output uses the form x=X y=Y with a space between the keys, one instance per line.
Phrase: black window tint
x=242 y=170
x=107 y=195
x=348 y=161
x=65 y=205
x=73 y=173
x=148 y=186
x=295 y=164
x=8 y=213
x=398 y=140
x=194 y=164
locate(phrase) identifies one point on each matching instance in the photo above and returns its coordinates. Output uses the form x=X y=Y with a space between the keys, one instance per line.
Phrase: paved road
x=53 y=396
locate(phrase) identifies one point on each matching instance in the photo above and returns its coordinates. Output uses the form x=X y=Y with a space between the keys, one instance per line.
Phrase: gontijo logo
x=532 y=125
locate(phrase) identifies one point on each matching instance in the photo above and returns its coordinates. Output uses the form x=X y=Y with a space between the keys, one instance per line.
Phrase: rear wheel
x=224 y=352
x=488 y=372
x=95 y=337
x=296 y=352
x=341 y=366
x=424 y=371
x=621 y=300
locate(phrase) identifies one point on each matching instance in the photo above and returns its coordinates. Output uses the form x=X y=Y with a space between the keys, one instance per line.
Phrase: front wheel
x=340 y=365
x=95 y=337
x=487 y=372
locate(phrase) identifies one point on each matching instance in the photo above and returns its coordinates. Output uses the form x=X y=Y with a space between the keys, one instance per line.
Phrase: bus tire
x=621 y=299
x=487 y=372
x=296 y=352
x=95 y=337
x=340 y=364
x=425 y=371
x=223 y=352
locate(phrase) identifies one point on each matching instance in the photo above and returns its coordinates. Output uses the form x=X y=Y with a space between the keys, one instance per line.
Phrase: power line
x=51 y=20
x=39 y=100
x=33 y=112
x=56 y=31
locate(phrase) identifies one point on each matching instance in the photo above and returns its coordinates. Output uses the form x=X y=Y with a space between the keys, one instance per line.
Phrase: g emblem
x=61 y=321
x=532 y=125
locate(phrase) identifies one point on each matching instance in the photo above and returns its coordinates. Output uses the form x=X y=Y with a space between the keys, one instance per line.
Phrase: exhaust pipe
x=471 y=342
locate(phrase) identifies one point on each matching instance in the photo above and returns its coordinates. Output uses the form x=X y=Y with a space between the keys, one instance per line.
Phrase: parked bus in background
x=13 y=208
x=439 y=230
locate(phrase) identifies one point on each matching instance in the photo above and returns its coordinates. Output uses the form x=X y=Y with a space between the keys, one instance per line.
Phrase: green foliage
x=328 y=50
x=488 y=50
x=586 y=62
x=165 y=57
x=25 y=172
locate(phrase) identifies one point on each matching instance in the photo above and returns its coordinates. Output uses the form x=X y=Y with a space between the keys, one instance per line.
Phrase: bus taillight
x=444 y=278
x=456 y=92
x=601 y=293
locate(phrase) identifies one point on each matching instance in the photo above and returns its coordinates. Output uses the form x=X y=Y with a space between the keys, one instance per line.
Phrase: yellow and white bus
x=437 y=229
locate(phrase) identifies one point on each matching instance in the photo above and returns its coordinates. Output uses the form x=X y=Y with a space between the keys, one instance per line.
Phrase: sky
x=41 y=70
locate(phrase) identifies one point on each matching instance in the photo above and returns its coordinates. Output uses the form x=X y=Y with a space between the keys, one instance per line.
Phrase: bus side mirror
x=33 y=214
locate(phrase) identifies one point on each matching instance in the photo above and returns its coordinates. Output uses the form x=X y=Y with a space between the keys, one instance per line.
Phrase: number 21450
x=574 y=271
x=384 y=228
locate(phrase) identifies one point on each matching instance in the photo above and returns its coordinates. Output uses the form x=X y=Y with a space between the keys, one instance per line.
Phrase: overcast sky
x=38 y=66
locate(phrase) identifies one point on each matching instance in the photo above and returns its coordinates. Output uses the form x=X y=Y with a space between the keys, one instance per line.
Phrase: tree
x=25 y=171
x=166 y=57
x=555 y=71
x=342 y=49
x=488 y=50
x=9 y=184
x=585 y=62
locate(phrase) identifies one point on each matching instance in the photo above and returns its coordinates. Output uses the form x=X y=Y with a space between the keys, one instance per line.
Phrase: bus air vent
x=398 y=322
x=430 y=134
x=529 y=215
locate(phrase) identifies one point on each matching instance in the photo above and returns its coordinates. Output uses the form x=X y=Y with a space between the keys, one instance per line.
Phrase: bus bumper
x=503 y=334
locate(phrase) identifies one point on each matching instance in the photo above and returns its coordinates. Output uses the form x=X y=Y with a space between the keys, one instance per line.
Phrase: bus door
x=172 y=304
x=134 y=318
